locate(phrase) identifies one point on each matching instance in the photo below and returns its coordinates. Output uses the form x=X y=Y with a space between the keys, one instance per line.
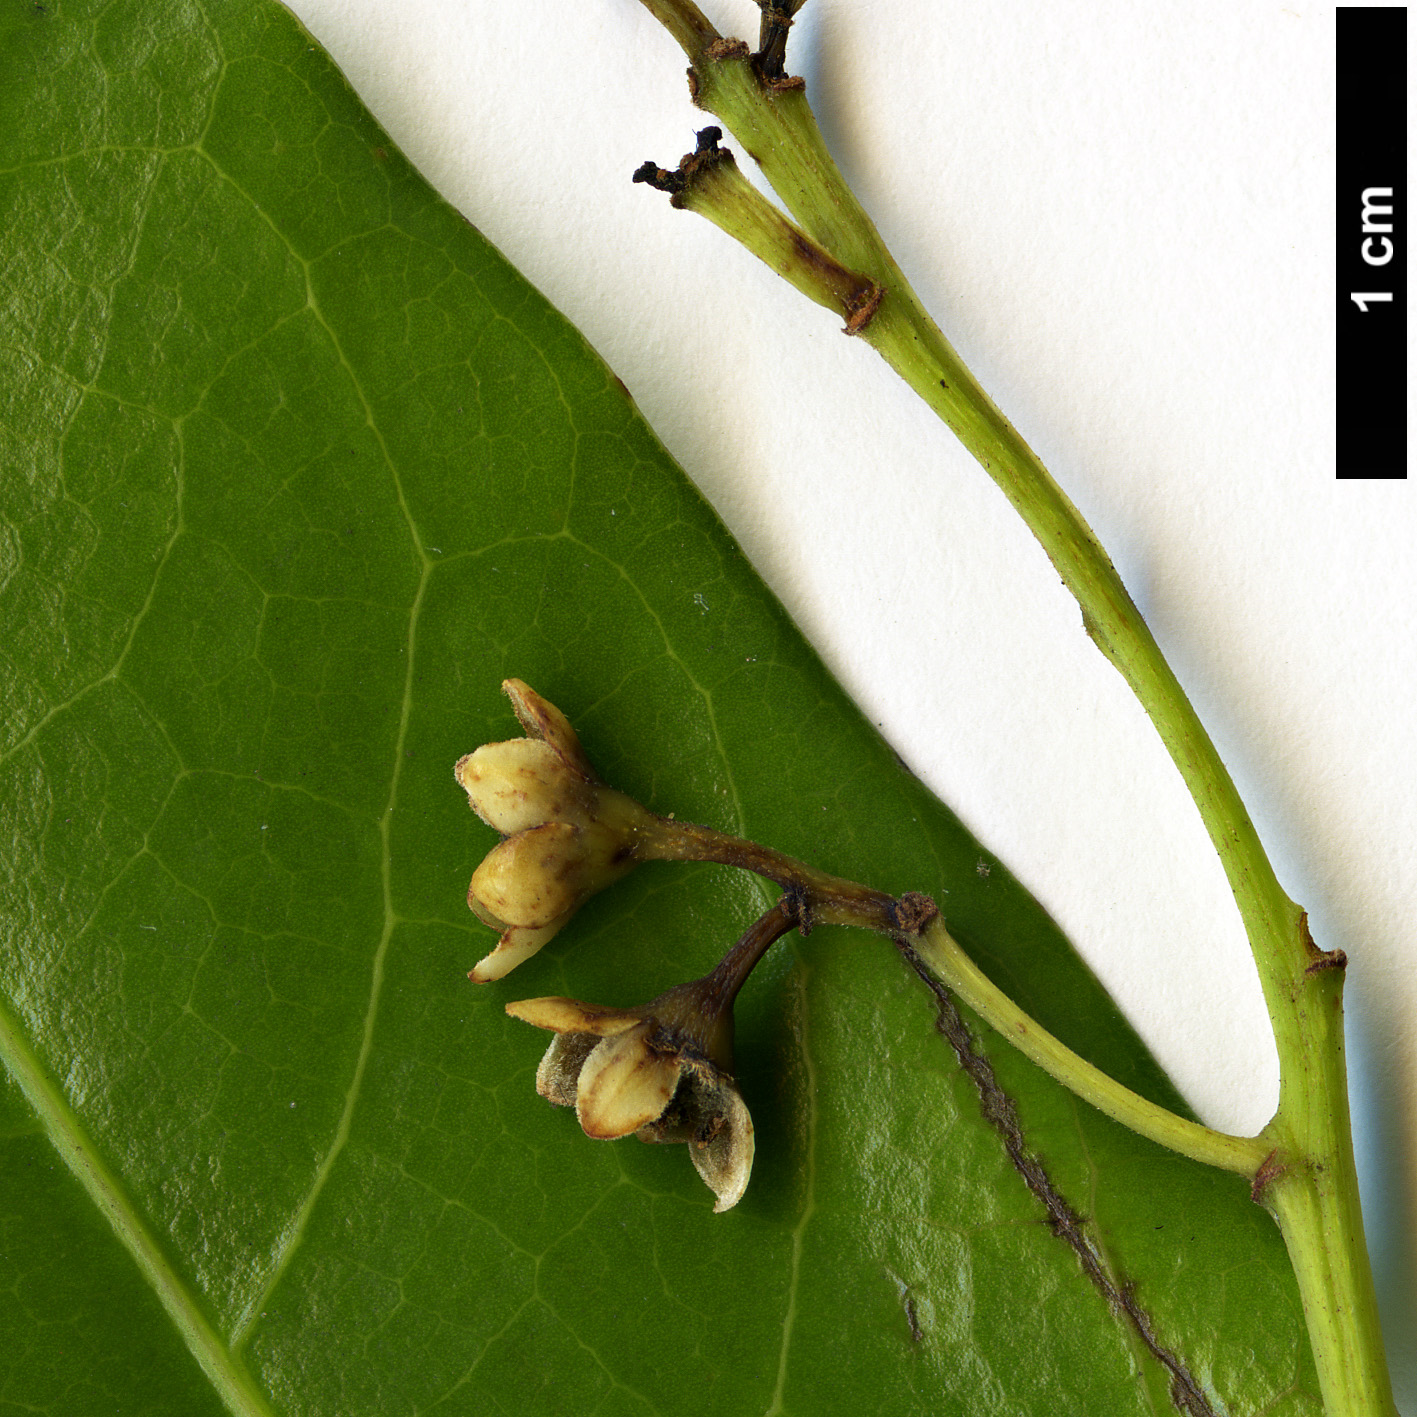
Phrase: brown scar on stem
x=716 y=50
x=863 y=309
x=812 y=254
x=1319 y=960
x=1330 y=959
x=1310 y=948
x=860 y=304
x=913 y=912
x=725 y=47
x=1270 y=1169
x=1065 y=1223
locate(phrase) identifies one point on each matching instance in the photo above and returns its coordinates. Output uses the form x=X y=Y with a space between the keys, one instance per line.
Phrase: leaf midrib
x=226 y=1371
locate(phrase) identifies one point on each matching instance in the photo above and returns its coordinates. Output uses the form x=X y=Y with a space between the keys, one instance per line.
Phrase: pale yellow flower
x=661 y=1072
x=566 y=834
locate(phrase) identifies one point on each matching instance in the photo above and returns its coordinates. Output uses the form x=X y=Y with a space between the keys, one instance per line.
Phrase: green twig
x=1307 y=1175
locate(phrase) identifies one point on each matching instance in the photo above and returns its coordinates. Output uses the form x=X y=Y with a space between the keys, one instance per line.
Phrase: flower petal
x=572 y=1016
x=725 y=1160
x=532 y=878
x=544 y=721
x=624 y=1085
x=519 y=784
x=517 y=944
x=560 y=1069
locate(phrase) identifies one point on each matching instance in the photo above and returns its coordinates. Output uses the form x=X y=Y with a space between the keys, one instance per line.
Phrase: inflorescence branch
x=567 y=835
x=1308 y=1180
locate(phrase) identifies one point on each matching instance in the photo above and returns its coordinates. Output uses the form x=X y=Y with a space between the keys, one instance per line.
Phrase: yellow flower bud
x=567 y=835
x=532 y=878
x=520 y=784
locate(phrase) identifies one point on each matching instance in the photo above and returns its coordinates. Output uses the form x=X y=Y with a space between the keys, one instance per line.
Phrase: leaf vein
x=809 y=1205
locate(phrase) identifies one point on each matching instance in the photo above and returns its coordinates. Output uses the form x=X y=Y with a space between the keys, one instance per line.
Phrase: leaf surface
x=296 y=471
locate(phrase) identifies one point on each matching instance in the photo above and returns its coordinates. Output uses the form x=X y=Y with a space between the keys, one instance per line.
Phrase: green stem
x=1315 y=1199
x=938 y=949
x=819 y=898
x=685 y=21
x=780 y=132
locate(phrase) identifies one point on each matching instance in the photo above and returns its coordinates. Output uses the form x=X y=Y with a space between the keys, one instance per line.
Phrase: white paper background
x=1122 y=215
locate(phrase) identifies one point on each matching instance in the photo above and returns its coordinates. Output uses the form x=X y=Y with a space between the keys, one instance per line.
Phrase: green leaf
x=296 y=470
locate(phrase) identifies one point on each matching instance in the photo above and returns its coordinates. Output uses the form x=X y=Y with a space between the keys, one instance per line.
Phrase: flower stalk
x=708 y=181
x=915 y=923
x=1308 y=1177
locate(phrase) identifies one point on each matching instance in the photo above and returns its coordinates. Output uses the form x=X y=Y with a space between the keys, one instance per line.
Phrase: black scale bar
x=1372 y=242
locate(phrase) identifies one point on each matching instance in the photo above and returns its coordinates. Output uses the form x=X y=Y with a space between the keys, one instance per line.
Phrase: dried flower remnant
x=663 y=1071
x=566 y=834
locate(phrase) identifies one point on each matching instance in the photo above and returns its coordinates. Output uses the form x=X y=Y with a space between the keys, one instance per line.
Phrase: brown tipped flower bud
x=567 y=835
x=661 y=1072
